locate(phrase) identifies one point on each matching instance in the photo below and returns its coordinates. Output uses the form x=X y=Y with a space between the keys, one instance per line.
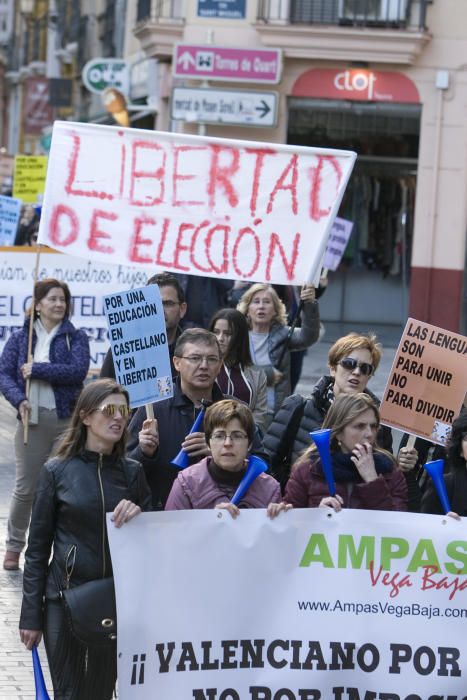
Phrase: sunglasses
x=109 y=410
x=350 y=364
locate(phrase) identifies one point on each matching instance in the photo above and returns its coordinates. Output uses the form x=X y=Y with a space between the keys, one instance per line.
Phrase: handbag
x=91 y=612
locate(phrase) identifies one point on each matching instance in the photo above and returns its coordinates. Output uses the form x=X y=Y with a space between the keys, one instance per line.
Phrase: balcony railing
x=391 y=14
x=159 y=10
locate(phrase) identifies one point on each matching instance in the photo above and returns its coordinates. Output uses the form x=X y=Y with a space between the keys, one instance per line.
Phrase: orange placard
x=427 y=383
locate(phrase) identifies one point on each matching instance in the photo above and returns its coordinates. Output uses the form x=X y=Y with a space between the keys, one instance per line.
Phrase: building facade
x=385 y=78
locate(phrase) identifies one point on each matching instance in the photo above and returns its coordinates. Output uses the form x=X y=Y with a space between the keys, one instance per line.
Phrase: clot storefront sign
x=356 y=84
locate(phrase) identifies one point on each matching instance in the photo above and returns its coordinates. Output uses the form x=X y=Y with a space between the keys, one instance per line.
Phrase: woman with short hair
x=365 y=475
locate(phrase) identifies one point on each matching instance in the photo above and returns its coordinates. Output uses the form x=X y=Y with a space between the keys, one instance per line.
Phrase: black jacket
x=288 y=435
x=69 y=510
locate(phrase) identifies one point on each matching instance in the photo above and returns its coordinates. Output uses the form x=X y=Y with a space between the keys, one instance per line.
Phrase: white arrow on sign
x=186 y=60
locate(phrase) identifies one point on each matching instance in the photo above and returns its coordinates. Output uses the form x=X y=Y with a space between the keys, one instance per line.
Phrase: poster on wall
x=222 y=9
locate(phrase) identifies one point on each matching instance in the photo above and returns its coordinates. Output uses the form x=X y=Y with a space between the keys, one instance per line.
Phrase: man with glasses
x=197 y=359
x=352 y=361
x=175 y=307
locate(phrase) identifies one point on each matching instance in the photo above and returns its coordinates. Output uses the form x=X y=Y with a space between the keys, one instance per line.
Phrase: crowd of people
x=87 y=454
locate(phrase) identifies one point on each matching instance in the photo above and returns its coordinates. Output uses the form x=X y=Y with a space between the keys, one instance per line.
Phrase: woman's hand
x=407 y=458
x=274 y=509
x=307 y=293
x=231 y=507
x=26 y=370
x=148 y=437
x=24 y=410
x=335 y=502
x=276 y=377
x=454 y=515
x=30 y=638
x=124 y=511
x=362 y=457
x=195 y=445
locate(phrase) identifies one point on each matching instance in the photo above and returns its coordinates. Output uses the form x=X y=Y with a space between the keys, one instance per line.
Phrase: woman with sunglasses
x=365 y=476
x=238 y=376
x=211 y=483
x=352 y=360
x=55 y=374
x=87 y=477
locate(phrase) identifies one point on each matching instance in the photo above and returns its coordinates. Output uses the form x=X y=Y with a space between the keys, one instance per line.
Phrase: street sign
x=102 y=73
x=228 y=64
x=240 y=107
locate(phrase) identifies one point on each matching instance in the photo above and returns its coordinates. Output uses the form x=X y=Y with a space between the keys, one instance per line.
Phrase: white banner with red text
x=359 y=605
x=88 y=282
x=204 y=206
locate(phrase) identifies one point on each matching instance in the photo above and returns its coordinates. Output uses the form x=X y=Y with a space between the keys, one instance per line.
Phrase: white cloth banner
x=88 y=281
x=360 y=605
x=215 y=207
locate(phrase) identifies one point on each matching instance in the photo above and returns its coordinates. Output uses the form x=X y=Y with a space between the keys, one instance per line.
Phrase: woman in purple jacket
x=365 y=475
x=211 y=483
x=60 y=362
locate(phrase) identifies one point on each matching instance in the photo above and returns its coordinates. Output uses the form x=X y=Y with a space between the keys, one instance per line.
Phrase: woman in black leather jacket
x=88 y=477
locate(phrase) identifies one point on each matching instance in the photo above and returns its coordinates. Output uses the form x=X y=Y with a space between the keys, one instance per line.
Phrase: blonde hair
x=279 y=306
x=344 y=410
x=354 y=341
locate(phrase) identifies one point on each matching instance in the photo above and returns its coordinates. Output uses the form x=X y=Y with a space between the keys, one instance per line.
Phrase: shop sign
x=102 y=73
x=227 y=63
x=356 y=84
x=221 y=9
x=37 y=111
x=240 y=107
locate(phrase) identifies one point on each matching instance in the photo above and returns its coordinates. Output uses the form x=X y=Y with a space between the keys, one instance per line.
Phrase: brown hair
x=222 y=412
x=279 y=306
x=354 y=341
x=196 y=335
x=42 y=288
x=93 y=394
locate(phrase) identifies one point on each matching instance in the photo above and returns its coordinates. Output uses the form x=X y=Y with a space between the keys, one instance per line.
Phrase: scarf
x=344 y=470
x=223 y=476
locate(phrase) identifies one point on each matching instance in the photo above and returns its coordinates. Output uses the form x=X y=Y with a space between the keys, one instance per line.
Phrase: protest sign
x=140 y=348
x=88 y=282
x=314 y=605
x=427 y=382
x=337 y=243
x=10 y=210
x=191 y=204
x=29 y=178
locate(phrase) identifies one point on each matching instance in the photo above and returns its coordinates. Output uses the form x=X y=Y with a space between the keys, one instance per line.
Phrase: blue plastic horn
x=436 y=470
x=322 y=440
x=182 y=460
x=41 y=690
x=256 y=466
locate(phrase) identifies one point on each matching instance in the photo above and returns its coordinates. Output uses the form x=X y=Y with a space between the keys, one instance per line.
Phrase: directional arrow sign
x=227 y=63
x=239 y=107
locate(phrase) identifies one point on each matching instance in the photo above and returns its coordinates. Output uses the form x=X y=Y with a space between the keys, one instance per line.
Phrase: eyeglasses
x=235 y=436
x=350 y=364
x=110 y=409
x=199 y=359
x=169 y=304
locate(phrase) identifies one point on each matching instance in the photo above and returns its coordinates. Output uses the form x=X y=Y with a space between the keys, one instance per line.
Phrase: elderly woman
x=352 y=360
x=88 y=477
x=60 y=362
x=365 y=475
x=271 y=340
x=211 y=483
x=238 y=376
x=455 y=476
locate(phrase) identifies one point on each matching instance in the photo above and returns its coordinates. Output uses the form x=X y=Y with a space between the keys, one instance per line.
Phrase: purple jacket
x=66 y=371
x=194 y=488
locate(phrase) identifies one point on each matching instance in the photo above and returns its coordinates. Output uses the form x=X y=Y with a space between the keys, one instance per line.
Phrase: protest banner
x=192 y=204
x=88 y=281
x=140 y=349
x=427 y=382
x=314 y=605
x=29 y=178
x=10 y=210
x=337 y=243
